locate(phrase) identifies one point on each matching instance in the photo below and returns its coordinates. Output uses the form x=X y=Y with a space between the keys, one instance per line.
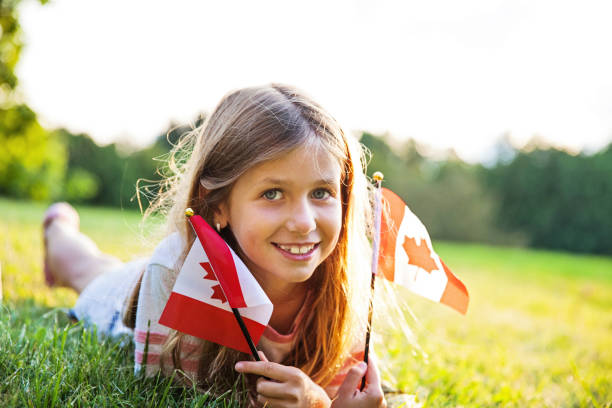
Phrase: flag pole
x=378 y=178
x=245 y=332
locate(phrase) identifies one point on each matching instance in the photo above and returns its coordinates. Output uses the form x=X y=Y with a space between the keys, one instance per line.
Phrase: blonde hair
x=248 y=127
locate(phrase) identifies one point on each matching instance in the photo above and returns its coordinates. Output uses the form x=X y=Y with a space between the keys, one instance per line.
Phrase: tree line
x=537 y=195
x=542 y=197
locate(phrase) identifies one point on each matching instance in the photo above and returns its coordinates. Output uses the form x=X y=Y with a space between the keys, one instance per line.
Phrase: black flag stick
x=378 y=177
x=245 y=332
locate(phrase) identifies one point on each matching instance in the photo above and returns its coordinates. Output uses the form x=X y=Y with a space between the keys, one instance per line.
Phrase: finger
x=262 y=355
x=352 y=380
x=268 y=369
x=273 y=389
x=372 y=374
x=373 y=390
x=273 y=402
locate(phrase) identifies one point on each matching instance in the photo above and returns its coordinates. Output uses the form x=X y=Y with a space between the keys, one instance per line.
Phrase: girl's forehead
x=301 y=164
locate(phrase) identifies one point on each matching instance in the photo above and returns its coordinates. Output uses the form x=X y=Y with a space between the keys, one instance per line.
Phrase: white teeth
x=297 y=249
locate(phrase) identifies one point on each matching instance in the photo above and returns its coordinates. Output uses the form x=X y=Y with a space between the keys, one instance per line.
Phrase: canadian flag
x=212 y=281
x=407 y=257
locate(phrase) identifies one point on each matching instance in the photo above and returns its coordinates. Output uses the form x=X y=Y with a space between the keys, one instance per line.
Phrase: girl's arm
x=287 y=386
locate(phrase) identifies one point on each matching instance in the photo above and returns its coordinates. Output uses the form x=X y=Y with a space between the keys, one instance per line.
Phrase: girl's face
x=286 y=215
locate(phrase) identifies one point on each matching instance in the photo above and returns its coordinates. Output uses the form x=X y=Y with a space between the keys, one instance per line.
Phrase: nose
x=302 y=218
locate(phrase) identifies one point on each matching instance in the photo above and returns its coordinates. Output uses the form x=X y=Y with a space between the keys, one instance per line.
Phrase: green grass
x=538 y=331
x=48 y=361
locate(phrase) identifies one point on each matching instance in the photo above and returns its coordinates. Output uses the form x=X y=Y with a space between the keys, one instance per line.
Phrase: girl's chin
x=283 y=275
x=295 y=277
x=289 y=275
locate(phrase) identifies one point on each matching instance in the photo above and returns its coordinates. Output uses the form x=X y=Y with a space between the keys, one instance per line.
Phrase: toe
x=61 y=211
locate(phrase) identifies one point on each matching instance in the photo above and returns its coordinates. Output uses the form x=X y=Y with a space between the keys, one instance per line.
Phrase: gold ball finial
x=189 y=212
x=378 y=176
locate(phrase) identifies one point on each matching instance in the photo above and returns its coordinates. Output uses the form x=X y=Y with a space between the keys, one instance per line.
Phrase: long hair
x=250 y=126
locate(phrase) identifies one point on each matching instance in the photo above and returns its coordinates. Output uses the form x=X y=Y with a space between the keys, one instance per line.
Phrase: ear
x=222 y=215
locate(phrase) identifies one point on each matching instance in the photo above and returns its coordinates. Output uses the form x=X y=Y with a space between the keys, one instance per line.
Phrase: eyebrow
x=271 y=180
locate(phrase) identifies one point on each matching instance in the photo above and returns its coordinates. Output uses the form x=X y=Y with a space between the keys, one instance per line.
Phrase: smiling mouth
x=297 y=249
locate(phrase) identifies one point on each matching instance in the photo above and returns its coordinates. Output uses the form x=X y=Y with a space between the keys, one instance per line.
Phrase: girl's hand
x=372 y=395
x=285 y=386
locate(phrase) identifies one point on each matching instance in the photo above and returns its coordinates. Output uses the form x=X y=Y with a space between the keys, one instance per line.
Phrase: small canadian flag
x=407 y=257
x=212 y=281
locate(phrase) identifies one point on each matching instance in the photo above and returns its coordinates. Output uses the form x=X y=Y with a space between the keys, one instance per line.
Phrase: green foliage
x=104 y=175
x=112 y=175
x=102 y=166
x=81 y=185
x=447 y=196
x=544 y=197
x=559 y=200
x=11 y=43
x=33 y=160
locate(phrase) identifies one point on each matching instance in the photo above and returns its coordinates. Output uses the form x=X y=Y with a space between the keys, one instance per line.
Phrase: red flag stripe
x=208 y=322
x=221 y=259
x=455 y=293
x=392 y=215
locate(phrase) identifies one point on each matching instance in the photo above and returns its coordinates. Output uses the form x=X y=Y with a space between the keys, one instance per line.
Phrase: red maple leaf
x=419 y=255
x=217 y=291
x=218 y=294
x=209 y=272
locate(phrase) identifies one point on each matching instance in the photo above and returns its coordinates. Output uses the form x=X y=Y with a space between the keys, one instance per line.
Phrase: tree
x=448 y=196
x=111 y=175
x=560 y=200
x=11 y=43
x=32 y=161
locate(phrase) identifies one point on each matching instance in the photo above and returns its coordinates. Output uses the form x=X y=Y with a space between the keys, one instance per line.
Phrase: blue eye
x=320 y=194
x=272 y=195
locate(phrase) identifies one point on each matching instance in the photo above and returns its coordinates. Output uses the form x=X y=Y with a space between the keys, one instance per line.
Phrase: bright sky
x=445 y=72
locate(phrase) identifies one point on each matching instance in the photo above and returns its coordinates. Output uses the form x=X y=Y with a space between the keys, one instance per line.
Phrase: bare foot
x=72 y=259
x=65 y=213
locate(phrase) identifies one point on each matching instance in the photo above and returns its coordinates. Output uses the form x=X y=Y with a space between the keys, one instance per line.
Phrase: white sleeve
x=155 y=289
x=149 y=335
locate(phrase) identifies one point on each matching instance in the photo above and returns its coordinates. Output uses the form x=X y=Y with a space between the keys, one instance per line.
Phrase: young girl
x=277 y=177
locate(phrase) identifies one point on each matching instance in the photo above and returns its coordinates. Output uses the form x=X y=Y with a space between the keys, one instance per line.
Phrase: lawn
x=538 y=332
